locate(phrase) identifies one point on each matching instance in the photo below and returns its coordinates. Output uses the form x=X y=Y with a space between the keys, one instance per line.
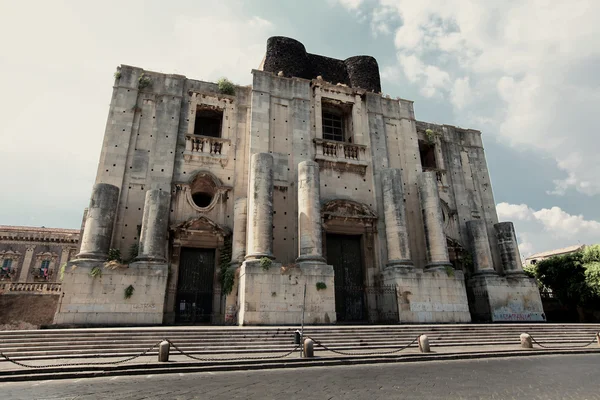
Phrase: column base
x=408 y=264
x=150 y=259
x=258 y=256
x=438 y=265
x=486 y=272
x=311 y=259
x=91 y=256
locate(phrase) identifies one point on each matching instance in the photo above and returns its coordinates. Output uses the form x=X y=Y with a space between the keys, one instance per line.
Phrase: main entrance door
x=344 y=253
x=195 y=286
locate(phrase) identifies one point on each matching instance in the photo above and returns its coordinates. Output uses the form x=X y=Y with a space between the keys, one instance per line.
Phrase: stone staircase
x=235 y=342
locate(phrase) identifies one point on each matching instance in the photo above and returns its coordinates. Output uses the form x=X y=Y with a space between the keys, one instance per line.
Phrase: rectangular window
x=208 y=122
x=45 y=264
x=333 y=126
x=6 y=264
x=427 y=152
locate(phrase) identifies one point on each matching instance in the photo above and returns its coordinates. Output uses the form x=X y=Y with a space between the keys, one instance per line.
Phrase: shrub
x=226 y=86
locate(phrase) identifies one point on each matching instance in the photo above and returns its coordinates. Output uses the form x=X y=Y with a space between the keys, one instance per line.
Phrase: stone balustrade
x=29 y=287
x=206 y=145
x=341 y=150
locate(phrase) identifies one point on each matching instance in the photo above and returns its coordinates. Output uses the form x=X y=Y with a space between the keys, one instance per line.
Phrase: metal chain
x=363 y=353
x=564 y=347
x=234 y=358
x=82 y=363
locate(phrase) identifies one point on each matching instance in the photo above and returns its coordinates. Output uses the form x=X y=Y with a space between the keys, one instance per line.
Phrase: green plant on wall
x=321 y=286
x=61 y=272
x=265 y=263
x=144 y=81
x=226 y=86
x=96 y=272
x=226 y=274
x=430 y=135
x=129 y=291
x=450 y=271
x=118 y=75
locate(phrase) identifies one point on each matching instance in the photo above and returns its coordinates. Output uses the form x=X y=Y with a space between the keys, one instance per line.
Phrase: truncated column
x=437 y=249
x=395 y=219
x=509 y=249
x=155 y=223
x=97 y=233
x=240 y=220
x=309 y=213
x=480 y=245
x=260 y=207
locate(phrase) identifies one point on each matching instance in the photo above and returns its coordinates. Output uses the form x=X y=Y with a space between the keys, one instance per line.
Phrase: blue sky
x=523 y=72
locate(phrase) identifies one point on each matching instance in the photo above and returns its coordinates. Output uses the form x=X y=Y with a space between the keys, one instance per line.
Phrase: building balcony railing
x=30 y=287
x=341 y=156
x=206 y=147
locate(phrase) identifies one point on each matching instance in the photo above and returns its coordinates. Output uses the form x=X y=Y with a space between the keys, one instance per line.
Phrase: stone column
x=97 y=234
x=260 y=207
x=155 y=223
x=240 y=220
x=24 y=273
x=480 y=246
x=310 y=236
x=398 y=247
x=509 y=249
x=437 y=249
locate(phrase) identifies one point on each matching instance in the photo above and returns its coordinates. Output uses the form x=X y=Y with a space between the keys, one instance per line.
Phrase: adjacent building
x=308 y=194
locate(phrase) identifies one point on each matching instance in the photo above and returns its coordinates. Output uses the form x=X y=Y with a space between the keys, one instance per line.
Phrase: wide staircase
x=252 y=341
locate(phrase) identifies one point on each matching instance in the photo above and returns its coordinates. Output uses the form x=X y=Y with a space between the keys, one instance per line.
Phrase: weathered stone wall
x=34 y=309
x=276 y=295
x=101 y=300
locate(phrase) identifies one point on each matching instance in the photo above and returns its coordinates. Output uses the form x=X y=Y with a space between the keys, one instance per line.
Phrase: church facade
x=307 y=196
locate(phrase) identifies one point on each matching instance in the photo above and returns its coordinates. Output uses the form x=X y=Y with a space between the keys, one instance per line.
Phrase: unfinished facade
x=308 y=190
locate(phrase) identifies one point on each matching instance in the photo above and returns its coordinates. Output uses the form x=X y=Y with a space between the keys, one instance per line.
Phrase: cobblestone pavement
x=535 y=377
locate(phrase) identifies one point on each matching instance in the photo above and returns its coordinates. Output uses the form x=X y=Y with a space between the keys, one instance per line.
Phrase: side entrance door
x=344 y=253
x=195 y=286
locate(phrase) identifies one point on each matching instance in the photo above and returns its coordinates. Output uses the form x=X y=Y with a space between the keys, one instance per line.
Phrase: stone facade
x=34 y=255
x=309 y=194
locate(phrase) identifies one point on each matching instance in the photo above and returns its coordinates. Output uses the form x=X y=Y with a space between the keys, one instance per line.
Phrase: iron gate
x=195 y=286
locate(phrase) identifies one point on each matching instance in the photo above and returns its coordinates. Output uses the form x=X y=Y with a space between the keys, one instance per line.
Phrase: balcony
x=209 y=150
x=30 y=288
x=340 y=156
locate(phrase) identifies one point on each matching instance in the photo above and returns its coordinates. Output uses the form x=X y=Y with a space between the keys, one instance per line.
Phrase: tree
x=591 y=263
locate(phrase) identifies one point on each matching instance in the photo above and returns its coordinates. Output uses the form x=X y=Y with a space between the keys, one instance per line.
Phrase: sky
x=523 y=72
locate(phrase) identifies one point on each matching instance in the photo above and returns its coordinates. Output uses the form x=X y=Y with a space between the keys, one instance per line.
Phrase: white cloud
x=351 y=4
x=543 y=57
x=548 y=228
x=57 y=82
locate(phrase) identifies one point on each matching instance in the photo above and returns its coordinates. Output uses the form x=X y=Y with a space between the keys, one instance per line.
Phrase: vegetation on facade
x=321 y=286
x=61 y=271
x=265 y=263
x=129 y=291
x=226 y=274
x=574 y=279
x=226 y=86
x=450 y=271
x=144 y=81
x=118 y=75
x=96 y=272
x=115 y=260
x=431 y=135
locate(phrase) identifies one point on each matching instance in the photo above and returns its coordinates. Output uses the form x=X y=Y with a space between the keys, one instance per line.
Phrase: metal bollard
x=163 y=351
x=424 y=344
x=297 y=337
x=309 y=348
x=526 y=341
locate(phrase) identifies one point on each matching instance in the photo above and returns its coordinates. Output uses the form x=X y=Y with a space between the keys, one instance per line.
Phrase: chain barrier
x=81 y=363
x=318 y=343
x=564 y=347
x=232 y=358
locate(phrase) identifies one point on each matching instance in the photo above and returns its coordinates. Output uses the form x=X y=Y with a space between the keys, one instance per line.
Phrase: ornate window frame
x=48 y=259
x=13 y=269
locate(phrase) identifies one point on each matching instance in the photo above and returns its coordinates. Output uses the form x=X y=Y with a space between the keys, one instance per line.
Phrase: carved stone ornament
x=347 y=209
x=200 y=225
x=207 y=183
